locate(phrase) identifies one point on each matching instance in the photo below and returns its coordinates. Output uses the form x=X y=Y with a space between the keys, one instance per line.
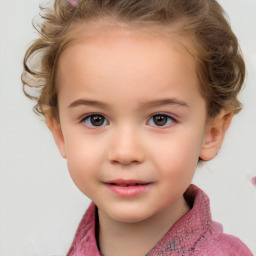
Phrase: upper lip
x=121 y=182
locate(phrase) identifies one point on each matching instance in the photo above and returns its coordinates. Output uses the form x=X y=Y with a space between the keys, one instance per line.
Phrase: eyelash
x=169 y=121
x=89 y=116
x=167 y=116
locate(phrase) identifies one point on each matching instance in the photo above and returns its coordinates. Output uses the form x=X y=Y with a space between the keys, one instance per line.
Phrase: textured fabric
x=194 y=234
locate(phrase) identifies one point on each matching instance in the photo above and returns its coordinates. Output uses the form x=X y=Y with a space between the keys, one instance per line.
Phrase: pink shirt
x=194 y=234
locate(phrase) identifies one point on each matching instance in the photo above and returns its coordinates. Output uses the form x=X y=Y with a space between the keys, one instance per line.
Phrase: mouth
x=128 y=188
x=127 y=183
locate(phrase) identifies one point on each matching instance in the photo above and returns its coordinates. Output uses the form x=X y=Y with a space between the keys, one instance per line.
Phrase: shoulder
x=212 y=241
x=231 y=245
x=221 y=244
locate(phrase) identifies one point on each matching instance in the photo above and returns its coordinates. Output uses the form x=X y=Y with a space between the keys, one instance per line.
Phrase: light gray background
x=40 y=207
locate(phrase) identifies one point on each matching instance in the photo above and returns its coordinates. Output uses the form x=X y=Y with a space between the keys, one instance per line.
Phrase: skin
x=127 y=77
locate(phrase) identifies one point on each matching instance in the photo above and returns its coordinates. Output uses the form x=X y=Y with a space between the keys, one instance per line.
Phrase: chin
x=128 y=219
x=127 y=216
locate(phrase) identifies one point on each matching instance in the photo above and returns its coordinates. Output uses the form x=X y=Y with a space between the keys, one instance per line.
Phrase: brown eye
x=95 y=121
x=160 y=120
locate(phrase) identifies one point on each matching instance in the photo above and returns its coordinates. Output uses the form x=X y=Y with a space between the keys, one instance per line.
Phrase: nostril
x=124 y=161
x=126 y=157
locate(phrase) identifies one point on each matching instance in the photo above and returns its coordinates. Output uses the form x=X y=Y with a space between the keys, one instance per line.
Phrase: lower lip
x=129 y=191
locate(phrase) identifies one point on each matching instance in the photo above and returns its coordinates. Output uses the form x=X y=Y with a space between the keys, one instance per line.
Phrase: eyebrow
x=85 y=102
x=144 y=105
x=163 y=102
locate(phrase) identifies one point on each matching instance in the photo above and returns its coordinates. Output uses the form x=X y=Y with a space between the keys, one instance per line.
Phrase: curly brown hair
x=220 y=65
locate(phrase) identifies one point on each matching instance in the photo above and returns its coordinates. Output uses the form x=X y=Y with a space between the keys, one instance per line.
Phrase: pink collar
x=194 y=234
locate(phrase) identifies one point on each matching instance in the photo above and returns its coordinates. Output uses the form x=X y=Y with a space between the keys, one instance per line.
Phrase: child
x=135 y=93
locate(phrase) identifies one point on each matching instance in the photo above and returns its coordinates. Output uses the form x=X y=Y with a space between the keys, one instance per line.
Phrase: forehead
x=114 y=55
x=99 y=31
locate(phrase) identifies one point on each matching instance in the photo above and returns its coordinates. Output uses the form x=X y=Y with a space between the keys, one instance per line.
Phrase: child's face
x=132 y=120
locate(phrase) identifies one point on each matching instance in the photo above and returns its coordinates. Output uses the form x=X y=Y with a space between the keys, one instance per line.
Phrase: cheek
x=82 y=150
x=82 y=172
x=83 y=160
x=179 y=154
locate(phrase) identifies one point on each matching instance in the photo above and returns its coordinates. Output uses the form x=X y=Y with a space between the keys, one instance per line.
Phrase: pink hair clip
x=73 y=3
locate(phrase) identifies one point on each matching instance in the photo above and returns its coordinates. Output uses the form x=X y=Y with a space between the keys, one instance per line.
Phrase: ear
x=215 y=130
x=55 y=127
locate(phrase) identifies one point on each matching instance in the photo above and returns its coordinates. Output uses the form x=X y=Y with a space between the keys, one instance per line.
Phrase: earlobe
x=215 y=130
x=55 y=127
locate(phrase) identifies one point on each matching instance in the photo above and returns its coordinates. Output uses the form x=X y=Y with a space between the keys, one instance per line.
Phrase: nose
x=126 y=148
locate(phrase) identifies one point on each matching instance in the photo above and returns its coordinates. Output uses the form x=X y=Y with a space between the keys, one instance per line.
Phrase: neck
x=119 y=238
